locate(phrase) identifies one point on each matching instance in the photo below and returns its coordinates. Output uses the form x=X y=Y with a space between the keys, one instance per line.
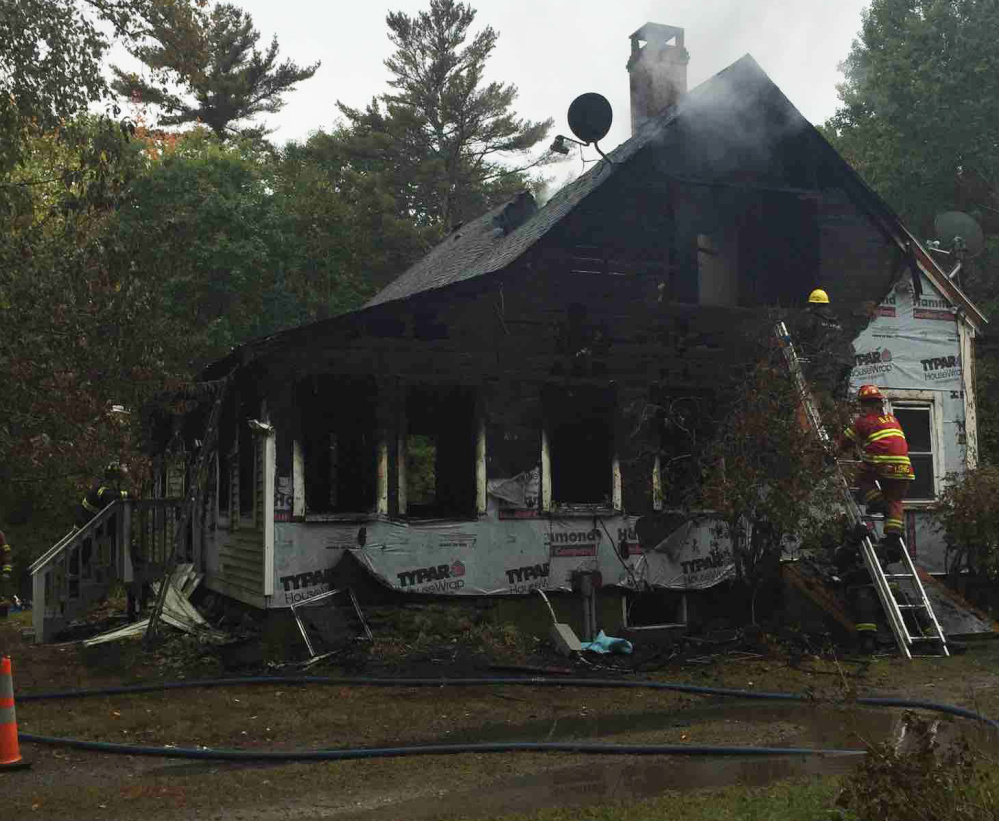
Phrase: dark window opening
x=338 y=444
x=580 y=432
x=917 y=424
x=440 y=452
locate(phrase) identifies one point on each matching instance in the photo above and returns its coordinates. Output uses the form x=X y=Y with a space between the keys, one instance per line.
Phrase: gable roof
x=480 y=247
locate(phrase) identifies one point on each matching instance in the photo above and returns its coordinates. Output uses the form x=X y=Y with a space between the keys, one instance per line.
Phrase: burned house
x=493 y=420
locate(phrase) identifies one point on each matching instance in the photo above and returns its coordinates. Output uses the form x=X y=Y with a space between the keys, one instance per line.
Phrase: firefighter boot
x=891 y=548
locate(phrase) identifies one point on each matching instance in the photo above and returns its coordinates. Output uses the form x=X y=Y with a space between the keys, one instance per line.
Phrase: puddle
x=605 y=779
x=602 y=780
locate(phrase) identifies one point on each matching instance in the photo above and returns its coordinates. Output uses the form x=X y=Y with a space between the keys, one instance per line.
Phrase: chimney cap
x=659 y=32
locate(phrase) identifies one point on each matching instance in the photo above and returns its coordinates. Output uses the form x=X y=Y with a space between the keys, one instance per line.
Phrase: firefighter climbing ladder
x=914 y=601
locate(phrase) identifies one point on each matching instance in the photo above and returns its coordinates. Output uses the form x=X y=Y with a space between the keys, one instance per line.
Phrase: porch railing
x=128 y=541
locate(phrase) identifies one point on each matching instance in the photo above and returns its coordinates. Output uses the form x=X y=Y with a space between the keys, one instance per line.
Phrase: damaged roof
x=500 y=237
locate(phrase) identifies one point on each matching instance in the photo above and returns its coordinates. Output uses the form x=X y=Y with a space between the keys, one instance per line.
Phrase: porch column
x=546 y=471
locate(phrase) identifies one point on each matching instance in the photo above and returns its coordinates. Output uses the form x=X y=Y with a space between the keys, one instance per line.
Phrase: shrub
x=923 y=783
x=968 y=515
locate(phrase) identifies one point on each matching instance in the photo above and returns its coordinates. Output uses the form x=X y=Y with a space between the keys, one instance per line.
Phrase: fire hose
x=588 y=747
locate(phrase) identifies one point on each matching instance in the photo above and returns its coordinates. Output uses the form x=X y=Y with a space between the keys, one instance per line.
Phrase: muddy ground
x=66 y=784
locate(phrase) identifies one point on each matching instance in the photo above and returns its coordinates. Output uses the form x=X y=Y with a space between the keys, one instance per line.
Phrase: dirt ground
x=65 y=783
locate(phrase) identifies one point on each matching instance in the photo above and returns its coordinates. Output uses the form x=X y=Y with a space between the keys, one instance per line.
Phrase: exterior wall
x=238 y=555
x=912 y=351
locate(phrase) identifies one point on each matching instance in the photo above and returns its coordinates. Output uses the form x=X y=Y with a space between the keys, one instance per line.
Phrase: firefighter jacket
x=827 y=350
x=883 y=447
x=97 y=498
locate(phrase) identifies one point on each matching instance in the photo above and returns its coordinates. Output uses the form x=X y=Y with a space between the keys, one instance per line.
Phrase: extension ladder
x=914 y=601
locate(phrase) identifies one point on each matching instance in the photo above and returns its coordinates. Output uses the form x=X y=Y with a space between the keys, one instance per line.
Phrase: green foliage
x=920 y=104
x=421 y=469
x=923 y=783
x=764 y=470
x=441 y=141
x=50 y=64
x=351 y=240
x=968 y=515
x=213 y=57
x=204 y=236
x=74 y=342
x=918 y=119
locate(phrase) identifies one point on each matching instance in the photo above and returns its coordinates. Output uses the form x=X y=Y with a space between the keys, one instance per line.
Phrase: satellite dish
x=590 y=117
x=953 y=224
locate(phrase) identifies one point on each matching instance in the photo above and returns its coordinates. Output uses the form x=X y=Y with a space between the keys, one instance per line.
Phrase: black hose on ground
x=443 y=749
x=589 y=747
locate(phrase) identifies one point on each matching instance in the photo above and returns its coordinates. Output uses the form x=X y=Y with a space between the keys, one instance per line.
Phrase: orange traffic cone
x=10 y=754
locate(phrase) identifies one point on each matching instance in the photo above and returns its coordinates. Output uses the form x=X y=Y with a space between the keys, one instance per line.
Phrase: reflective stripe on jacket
x=883 y=443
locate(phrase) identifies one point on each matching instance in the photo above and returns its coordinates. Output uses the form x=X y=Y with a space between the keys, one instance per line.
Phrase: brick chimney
x=657 y=69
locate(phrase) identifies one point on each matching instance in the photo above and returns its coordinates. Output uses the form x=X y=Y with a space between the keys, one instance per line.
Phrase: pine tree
x=214 y=59
x=444 y=135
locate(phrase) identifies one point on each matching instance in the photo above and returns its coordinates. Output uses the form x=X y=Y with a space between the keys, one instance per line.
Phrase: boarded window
x=440 y=452
x=338 y=444
x=580 y=432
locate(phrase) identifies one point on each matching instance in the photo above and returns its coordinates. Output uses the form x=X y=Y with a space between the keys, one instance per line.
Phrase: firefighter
x=823 y=344
x=861 y=597
x=102 y=493
x=6 y=571
x=886 y=471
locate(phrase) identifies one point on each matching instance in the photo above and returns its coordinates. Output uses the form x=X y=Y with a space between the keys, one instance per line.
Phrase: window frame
x=918 y=400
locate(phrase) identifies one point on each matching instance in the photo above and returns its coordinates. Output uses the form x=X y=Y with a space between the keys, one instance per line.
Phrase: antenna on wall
x=590 y=117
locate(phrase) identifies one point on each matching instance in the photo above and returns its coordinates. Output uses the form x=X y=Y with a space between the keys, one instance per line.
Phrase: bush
x=923 y=783
x=968 y=515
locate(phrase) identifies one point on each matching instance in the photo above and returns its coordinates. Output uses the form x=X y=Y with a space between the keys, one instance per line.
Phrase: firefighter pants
x=889 y=497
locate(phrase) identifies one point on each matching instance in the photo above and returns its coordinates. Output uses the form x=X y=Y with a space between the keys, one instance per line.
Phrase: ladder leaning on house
x=886 y=584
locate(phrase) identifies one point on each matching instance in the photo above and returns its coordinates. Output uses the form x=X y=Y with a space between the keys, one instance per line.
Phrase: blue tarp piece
x=607 y=644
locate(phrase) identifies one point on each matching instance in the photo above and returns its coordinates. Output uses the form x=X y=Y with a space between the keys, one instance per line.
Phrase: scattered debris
x=604 y=644
x=562 y=636
x=328 y=624
x=178 y=612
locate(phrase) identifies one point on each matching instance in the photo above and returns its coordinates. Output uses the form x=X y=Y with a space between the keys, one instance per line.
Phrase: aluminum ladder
x=914 y=601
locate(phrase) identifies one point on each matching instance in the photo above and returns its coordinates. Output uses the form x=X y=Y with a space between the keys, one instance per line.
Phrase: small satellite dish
x=590 y=117
x=953 y=224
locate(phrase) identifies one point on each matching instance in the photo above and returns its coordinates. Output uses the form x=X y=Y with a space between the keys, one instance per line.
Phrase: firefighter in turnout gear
x=825 y=347
x=886 y=472
x=6 y=571
x=102 y=493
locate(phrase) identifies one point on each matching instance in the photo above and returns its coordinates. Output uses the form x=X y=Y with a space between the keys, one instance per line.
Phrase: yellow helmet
x=819 y=296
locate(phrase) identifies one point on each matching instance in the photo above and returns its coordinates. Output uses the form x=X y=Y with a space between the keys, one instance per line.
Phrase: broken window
x=338 y=443
x=579 y=422
x=440 y=452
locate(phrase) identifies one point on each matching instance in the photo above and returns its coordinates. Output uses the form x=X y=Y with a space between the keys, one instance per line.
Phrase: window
x=440 y=452
x=338 y=438
x=579 y=422
x=917 y=424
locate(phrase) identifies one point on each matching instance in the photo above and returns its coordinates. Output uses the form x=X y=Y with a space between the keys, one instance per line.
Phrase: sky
x=554 y=50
